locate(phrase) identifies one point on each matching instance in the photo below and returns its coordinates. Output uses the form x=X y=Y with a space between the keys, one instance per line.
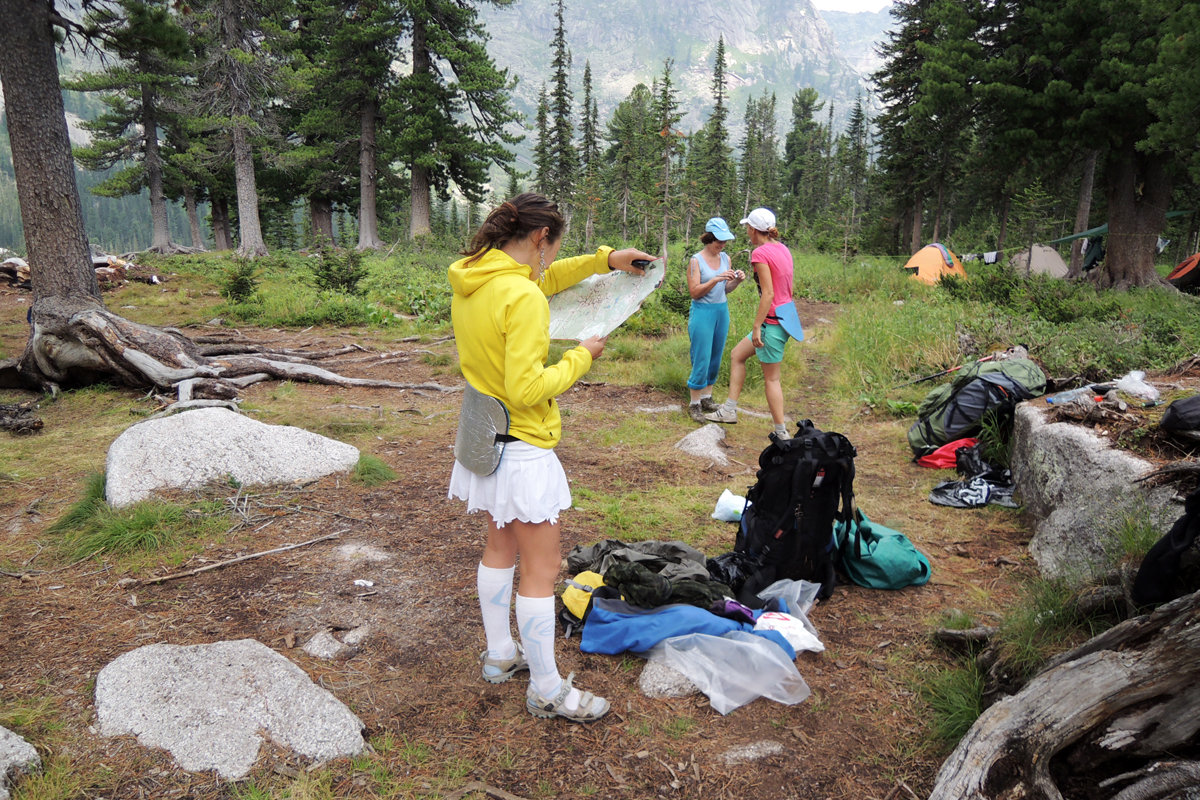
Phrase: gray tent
x=1045 y=261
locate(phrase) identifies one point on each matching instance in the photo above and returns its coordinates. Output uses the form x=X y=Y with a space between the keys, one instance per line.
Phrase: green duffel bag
x=878 y=557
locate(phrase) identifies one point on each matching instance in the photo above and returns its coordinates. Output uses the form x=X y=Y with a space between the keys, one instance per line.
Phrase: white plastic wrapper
x=791 y=628
x=733 y=669
x=1134 y=384
x=729 y=507
x=800 y=596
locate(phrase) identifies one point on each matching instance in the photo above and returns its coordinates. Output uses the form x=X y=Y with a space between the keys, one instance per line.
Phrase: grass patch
x=91 y=526
x=1043 y=622
x=635 y=515
x=372 y=471
x=58 y=779
x=955 y=701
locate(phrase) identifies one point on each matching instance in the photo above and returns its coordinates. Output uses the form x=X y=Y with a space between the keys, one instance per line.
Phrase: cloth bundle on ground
x=981 y=483
x=645 y=574
x=878 y=557
x=1171 y=568
x=956 y=410
x=945 y=457
x=803 y=485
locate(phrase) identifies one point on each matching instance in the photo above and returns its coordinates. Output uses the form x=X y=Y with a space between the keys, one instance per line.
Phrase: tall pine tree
x=564 y=157
x=452 y=131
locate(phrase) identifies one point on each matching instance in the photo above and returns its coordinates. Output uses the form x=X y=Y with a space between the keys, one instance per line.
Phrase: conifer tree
x=150 y=49
x=802 y=158
x=760 y=155
x=715 y=165
x=631 y=160
x=238 y=76
x=452 y=131
x=543 y=147
x=564 y=157
x=666 y=116
x=589 y=153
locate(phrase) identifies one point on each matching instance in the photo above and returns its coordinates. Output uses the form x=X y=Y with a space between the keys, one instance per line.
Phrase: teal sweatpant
x=708 y=325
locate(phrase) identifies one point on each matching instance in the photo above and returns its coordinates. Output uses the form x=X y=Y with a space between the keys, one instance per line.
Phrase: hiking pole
x=944 y=372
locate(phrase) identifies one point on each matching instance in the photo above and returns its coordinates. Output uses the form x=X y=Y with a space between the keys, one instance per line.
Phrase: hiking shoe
x=707 y=405
x=591 y=707
x=696 y=412
x=723 y=415
x=499 y=670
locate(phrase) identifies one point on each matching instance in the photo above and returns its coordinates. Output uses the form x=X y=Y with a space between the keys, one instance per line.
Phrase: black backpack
x=1171 y=568
x=804 y=484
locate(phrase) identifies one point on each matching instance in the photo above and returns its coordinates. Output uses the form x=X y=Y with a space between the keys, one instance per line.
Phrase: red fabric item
x=943 y=457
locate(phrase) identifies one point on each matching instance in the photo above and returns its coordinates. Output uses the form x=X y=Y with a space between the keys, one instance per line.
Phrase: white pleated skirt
x=529 y=485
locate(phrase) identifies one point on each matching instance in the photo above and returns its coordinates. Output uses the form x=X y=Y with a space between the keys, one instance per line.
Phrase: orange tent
x=1186 y=276
x=933 y=261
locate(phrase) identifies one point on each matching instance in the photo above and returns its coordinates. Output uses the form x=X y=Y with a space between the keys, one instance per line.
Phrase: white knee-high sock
x=495 y=598
x=535 y=622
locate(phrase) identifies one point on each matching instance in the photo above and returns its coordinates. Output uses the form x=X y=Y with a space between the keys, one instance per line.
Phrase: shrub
x=338 y=270
x=240 y=281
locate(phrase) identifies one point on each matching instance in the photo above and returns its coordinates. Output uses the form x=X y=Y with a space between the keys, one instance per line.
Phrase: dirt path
x=435 y=726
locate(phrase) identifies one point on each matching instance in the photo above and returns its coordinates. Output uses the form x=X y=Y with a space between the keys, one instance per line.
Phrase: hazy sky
x=852 y=5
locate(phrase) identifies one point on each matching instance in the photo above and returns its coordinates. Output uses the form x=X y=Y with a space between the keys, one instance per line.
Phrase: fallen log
x=1132 y=692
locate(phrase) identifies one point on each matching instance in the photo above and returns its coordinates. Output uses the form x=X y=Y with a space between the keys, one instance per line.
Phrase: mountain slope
x=771 y=45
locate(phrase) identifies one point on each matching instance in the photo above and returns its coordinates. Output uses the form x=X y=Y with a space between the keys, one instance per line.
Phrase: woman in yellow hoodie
x=502 y=329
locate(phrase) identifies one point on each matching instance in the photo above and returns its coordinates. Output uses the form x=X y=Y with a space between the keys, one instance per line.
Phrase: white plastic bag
x=733 y=669
x=1134 y=384
x=791 y=628
x=800 y=596
x=729 y=507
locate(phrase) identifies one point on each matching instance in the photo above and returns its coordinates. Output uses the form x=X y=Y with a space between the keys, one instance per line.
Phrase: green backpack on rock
x=956 y=409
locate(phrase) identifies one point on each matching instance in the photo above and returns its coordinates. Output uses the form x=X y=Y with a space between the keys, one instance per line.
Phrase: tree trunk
x=320 y=212
x=51 y=214
x=250 y=238
x=161 y=239
x=937 y=215
x=73 y=339
x=1133 y=692
x=1000 y=237
x=1139 y=190
x=915 y=243
x=368 y=221
x=222 y=233
x=189 y=203
x=1083 y=210
x=420 y=212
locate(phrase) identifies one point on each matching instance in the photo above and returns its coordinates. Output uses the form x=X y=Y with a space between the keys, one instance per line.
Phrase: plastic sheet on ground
x=733 y=669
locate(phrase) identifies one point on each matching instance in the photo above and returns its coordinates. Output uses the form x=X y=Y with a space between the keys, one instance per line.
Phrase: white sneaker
x=724 y=415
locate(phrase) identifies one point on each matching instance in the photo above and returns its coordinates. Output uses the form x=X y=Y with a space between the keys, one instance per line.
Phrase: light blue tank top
x=717 y=293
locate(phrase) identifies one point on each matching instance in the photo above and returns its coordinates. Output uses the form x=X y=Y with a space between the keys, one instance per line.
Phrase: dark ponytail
x=513 y=220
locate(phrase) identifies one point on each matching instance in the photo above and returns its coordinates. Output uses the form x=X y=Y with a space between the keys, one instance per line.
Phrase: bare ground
x=435 y=725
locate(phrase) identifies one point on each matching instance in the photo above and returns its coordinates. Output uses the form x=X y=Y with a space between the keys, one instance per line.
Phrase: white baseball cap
x=761 y=219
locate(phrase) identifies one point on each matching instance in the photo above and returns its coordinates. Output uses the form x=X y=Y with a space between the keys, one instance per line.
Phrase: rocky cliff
x=771 y=45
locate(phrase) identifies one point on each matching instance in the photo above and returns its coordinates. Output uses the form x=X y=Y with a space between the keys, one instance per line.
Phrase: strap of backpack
x=802 y=480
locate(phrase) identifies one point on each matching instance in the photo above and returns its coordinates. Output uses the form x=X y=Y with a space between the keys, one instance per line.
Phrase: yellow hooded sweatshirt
x=502 y=329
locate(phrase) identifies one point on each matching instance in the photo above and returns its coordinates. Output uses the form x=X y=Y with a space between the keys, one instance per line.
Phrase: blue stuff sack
x=878 y=557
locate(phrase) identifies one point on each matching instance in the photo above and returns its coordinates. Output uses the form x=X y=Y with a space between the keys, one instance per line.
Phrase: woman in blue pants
x=710 y=277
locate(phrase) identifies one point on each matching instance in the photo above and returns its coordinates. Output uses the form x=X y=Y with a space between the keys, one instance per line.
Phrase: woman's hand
x=623 y=260
x=756 y=336
x=594 y=345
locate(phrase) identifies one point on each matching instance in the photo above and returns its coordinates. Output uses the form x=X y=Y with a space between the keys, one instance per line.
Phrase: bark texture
x=1133 y=692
